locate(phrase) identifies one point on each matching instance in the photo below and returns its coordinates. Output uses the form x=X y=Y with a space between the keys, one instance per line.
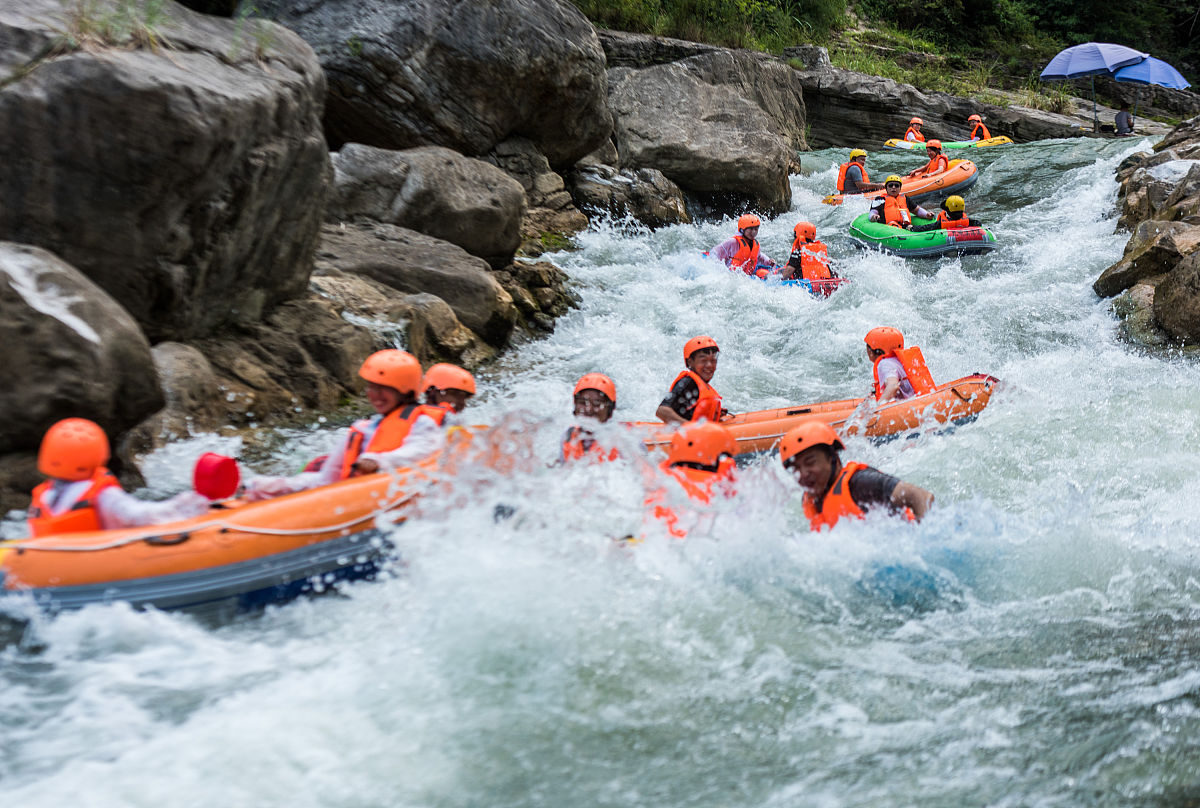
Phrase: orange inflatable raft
x=239 y=557
x=948 y=404
x=960 y=176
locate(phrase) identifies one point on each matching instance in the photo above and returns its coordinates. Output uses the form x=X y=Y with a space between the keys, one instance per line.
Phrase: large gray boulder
x=188 y=181
x=69 y=350
x=435 y=191
x=705 y=137
x=1177 y=301
x=465 y=75
x=645 y=194
x=1156 y=247
x=414 y=263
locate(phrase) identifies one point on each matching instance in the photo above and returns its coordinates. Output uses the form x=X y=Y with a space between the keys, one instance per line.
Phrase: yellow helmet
x=857 y=153
x=893 y=178
x=954 y=204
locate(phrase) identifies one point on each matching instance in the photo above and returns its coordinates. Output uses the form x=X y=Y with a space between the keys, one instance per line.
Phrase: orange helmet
x=884 y=338
x=596 y=381
x=73 y=449
x=393 y=368
x=702 y=442
x=748 y=220
x=805 y=230
x=916 y=121
x=934 y=144
x=698 y=344
x=808 y=433
x=444 y=376
x=974 y=119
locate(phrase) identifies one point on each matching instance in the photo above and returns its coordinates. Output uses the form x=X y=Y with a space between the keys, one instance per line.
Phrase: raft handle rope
x=157 y=538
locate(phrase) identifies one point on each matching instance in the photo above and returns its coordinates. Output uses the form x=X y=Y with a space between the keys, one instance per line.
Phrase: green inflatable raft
x=929 y=244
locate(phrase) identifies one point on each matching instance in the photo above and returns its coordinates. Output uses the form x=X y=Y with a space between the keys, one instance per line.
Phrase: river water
x=1032 y=643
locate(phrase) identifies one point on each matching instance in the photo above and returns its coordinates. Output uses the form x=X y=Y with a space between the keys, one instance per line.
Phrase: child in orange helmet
x=810 y=451
x=448 y=386
x=701 y=460
x=81 y=494
x=403 y=432
x=595 y=397
x=691 y=397
x=743 y=252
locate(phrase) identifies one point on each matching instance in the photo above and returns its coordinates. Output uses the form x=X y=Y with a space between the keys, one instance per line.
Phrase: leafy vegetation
x=120 y=23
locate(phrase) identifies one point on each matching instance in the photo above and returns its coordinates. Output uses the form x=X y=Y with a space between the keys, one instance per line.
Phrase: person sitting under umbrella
x=1124 y=121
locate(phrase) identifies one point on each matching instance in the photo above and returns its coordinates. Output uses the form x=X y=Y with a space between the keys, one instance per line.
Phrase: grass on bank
x=114 y=23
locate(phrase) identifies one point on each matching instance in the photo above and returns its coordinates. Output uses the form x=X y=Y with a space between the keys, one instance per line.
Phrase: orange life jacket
x=917 y=136
x=953 y=224
x=837 y=502
x=574 y=448
x=841 y=180
x=746 y=258
x=981 y=132
x=389 y=435
x=79 y=517
x=895 y=210
x=697 y=483
x=936 y=165
x=709 y=404
x=915 y=370
x=814 y=260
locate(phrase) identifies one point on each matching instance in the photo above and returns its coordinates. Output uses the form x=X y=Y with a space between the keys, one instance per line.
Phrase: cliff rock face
x=464 y=74
x=189 y=184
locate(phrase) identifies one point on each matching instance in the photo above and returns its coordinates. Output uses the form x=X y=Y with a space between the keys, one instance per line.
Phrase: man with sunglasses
x=894 y=208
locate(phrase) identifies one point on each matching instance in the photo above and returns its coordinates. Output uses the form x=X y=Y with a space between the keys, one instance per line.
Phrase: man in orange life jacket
x=852 y=175
x=448 y=386
x=81 y=494
x=894 y=208
x=691 y=397
x=832 y=489
x=595 y=397
x=978 y=131
x=701 y=460
x=810 y=258
x=743 y=251
x=899 y=372
x=914 y=131
x=938 y=162
x=402 y=432
x=952 y=216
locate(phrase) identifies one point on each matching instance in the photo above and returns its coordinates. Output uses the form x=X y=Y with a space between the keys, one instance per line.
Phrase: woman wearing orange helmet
x=595 y=397
x=810 y=451
x=978 y=130
x=448 y=386
x=691 y=397
x=701 y=460
x=938 y=162
x=810 y=258
x=401 y=433
x=743 y=252
x=81 y=494
x=914 y=131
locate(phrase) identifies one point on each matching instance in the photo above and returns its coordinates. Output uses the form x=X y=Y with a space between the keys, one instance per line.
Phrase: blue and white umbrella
x=1091 y=59
x=1153 y=71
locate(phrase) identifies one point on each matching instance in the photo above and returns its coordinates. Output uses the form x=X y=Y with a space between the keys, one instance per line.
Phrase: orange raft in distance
x=947 y=405
x=238 y=558
x=958 y=177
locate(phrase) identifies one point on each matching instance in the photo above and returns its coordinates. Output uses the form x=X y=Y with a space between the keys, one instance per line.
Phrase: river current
x=1033 y=642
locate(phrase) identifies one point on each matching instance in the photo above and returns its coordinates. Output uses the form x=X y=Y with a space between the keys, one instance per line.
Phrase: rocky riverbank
x=1157 y=281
